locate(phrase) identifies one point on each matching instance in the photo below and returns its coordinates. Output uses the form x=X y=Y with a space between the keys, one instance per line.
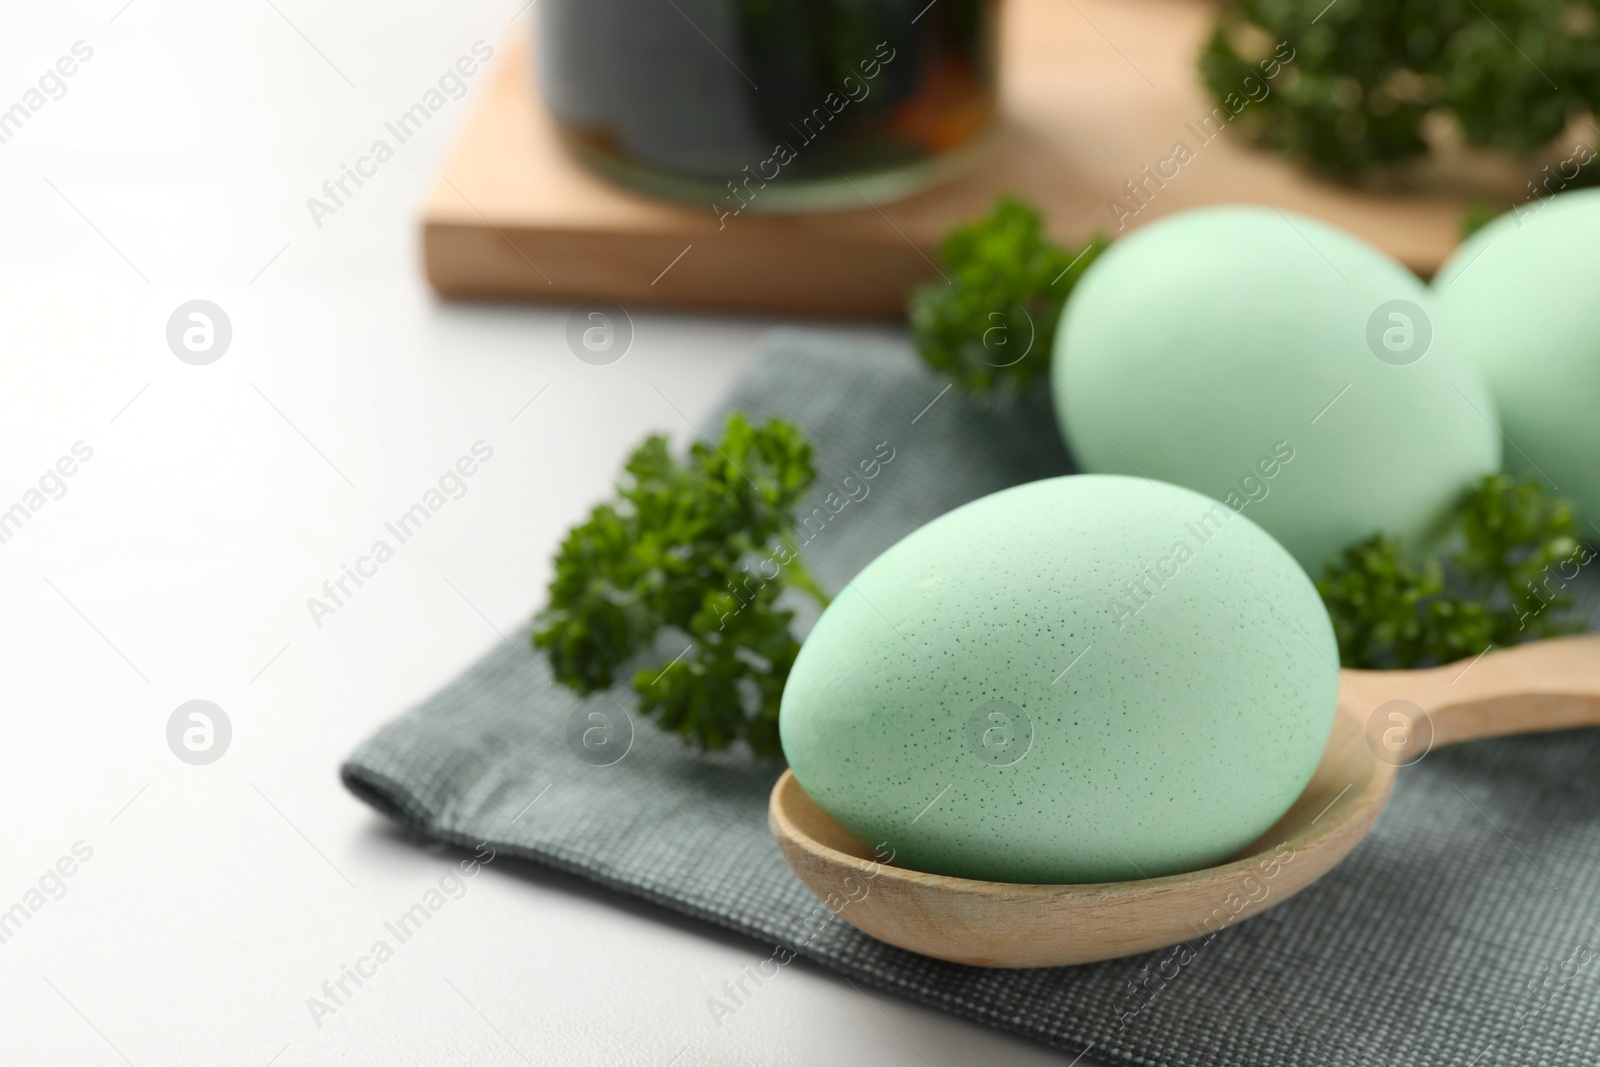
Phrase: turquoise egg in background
x=1277 y=363
x=1084 y=679
x=1523 y=291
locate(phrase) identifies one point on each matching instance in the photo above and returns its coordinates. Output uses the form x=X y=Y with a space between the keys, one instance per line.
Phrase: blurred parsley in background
x=1367 y=75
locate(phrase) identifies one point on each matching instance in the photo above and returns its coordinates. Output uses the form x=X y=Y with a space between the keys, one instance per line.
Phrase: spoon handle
x=1543 y=685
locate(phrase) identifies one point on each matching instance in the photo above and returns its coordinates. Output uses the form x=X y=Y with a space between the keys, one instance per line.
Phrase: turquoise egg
x=1085 y=679
x=1522 y=291
x=1280 y=365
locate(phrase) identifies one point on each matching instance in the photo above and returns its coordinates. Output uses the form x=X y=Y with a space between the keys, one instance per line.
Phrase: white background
x=219 y=498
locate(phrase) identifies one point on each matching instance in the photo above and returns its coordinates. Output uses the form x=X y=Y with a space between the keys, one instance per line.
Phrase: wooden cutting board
x=1093 y=91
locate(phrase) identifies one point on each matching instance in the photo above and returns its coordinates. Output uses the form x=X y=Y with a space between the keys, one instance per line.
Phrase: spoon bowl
x=1384 y=720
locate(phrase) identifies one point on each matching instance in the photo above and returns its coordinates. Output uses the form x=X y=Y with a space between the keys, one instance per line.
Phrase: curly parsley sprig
x=1370 y=77
x=668 y=556
x=1516 y=549
x=991 y=322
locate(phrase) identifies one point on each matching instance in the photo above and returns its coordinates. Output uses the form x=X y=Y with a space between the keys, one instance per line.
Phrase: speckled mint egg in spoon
x=1092 y=678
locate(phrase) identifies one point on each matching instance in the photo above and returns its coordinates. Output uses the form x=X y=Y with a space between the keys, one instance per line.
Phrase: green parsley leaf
x=1369 y=78
x=1516 y=550
x=991 y=321
x=669 y=559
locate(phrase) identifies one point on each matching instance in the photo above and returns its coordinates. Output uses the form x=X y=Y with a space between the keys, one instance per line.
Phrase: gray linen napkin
x=1462 y=931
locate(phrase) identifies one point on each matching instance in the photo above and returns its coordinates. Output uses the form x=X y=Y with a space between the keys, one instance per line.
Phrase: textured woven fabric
x=1462 y=931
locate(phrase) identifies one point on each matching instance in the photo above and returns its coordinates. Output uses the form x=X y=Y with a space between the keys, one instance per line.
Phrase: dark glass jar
x=771 y=105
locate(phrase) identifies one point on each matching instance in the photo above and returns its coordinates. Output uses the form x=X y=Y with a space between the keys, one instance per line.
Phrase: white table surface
x=176 y=165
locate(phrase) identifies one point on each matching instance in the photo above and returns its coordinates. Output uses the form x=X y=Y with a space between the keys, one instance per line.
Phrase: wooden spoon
x=1385 y=719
